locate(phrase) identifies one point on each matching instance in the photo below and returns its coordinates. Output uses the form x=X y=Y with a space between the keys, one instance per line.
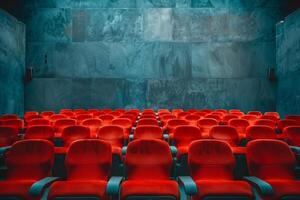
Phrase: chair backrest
x=293 y=135
x=45 y=132
x=293 y=117
x=16 y=123
x=147 y=122
x=113 y=134
x=211 y=160
x=173 y=123
x=266 y=122
x=73 y=133
x=148 y=160
x=213 y=116
x=148 y=132
x=270 y=117
x=38 y=122
x=107 y=119
x=225 y=133
x=61 y=124
x=184 y=135
x=29 y=160
x=205 y=125
x=9 y=116
x=260 y=132
x=94 y=124
x=8 y=135
x=270 y=159
x=82 y=117
x=89 y=159
x=240 y=125
x=286 y=123
x=256 y=113
x=123 y=122
x=276 y=114
x=228 y=117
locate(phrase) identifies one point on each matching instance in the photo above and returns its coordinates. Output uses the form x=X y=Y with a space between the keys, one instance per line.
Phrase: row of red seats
x=148 y=166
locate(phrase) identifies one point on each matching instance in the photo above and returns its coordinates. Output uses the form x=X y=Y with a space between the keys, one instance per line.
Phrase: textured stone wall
x=151 y=53
x=288 y=64
x=12 y=64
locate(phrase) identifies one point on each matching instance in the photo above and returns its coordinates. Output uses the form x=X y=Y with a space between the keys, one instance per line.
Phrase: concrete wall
x=12 y=64
x=151 y=53
x=288 y=64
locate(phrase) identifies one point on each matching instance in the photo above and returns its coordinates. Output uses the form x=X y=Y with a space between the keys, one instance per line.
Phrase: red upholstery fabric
x=260 y=132
x=73 y=133
x=276 y=114
x=165 y=118
x=8 y=116
x=173 y=123
x=149 y=187
x=214 y=116
x=126 y=124
x=286 y=123
x=107 y=119
x=60 y=124
x=38 y=122
x=205 y=125
x=147 y=122
x=225 y=133
x=211 y=160
x=148 y=132
x=40 y=132
x=82 y=117
x=270 y=160
x=293 y=117
x=157 y=161
x=88 y=163
x=184 y=136
x=156 y=156
x=192 y=119
x=47 y=114
x=293 y=135
x=256 y=113
x=222 y=188
x=116 y=114
x=7 y=135
x=94 y=126
x=29 y=160
x=240 y=125
x=250 y=118
x=182 y=115
x=284 y=188
x=16 y=123
x=266 y=122
x=270 y=117
x=228 y=117
x=17 y=188
x=113 y=134
x=56 y=117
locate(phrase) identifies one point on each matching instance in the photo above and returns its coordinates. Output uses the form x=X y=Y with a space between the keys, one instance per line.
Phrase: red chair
x=200 y=114
x=18 y=124
x=98 y=114
x=207 y=111
x=182 y=115
x=56 y=117
x=211 y=165
x=80 y=111
x=44 y=132
x=240 y=125
x=31 y=117
x=126 y=124
x=225 y=133
x=61 y=124
x=270 y=117
x=234 y=111
x=114 y=135
x=176 y=111
x=27 y=162
x=228 y=117
x=71 y=134
x=286 y=123
x=256 y=113
x=148 y=116
x=88 y=164
x=192 y=119
x=47 y=114
x=82 y=117
x=165 y=118
x=260 y=132
x=205 y=125
x=276 y=114
x=184 y=136
x=239 y=114
x=94 y=126
x=250 y=118
x=153 y=122
x=116 y=114
x=38 y=122
x=65 y=110
x=157 y=162
x=222 y=111
x=192 y=110
x=120 y=110
x=214 y=116
x=293 y=135
x=107 y=119
x=9 y=116
x=293 y=117
x=148 y=132
x=8 y=135
x=172 y=124
x=266 y=122
x=107 y=110
x=273 y=162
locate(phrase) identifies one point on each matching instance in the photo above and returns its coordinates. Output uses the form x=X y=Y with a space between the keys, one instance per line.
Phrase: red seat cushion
x=284 y=188
x=78 y=188
x=17 y=189
x=223 y=188
x=149 y=187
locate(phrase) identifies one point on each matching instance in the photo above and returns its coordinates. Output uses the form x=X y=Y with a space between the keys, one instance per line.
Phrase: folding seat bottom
x=16 y=188
x=284 y=188
x=166 y=189
x=78 y=188
x=223 y=188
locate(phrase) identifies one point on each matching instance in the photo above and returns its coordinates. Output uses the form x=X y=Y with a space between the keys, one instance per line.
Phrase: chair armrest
x=38 y=187
x=264 y=187
x=173 y=151
x=166 y=137
x=131 y=137
x=188 y=185
x=3 y=150
x=113 y=185
x=124 y=150
x=296 y=150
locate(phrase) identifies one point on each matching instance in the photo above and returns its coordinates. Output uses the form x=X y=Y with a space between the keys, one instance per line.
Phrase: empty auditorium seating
x=205 y=125
x=37 y=122
x=126 y=124
x=256 y=113
x=225 y=133
x=8 y=116
x=276 y=114
x=148 y=132
x=47 y=114
x=270 y=117
x=153 y=122
x=114 y=135
x=151 y=177
x=94 y=124
x=45 y=132
x=27 y=161
x=82 y=117
x=250 y=118
x=293 y=135
x=116 y=114
x=211 y=166
x=61 y=124
x=228 y=117
x=293 y=117
x=266 y=122
x=88 y=164
x=18 y=124
x=172 y=124
x=165 y=118
x=274 y=163
x=240 y=125
x=214 y=116
x=192 y=119
x=286 y=123
x=8 y=135
x=182 y=115
x=56 y=117
x=260 y=132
